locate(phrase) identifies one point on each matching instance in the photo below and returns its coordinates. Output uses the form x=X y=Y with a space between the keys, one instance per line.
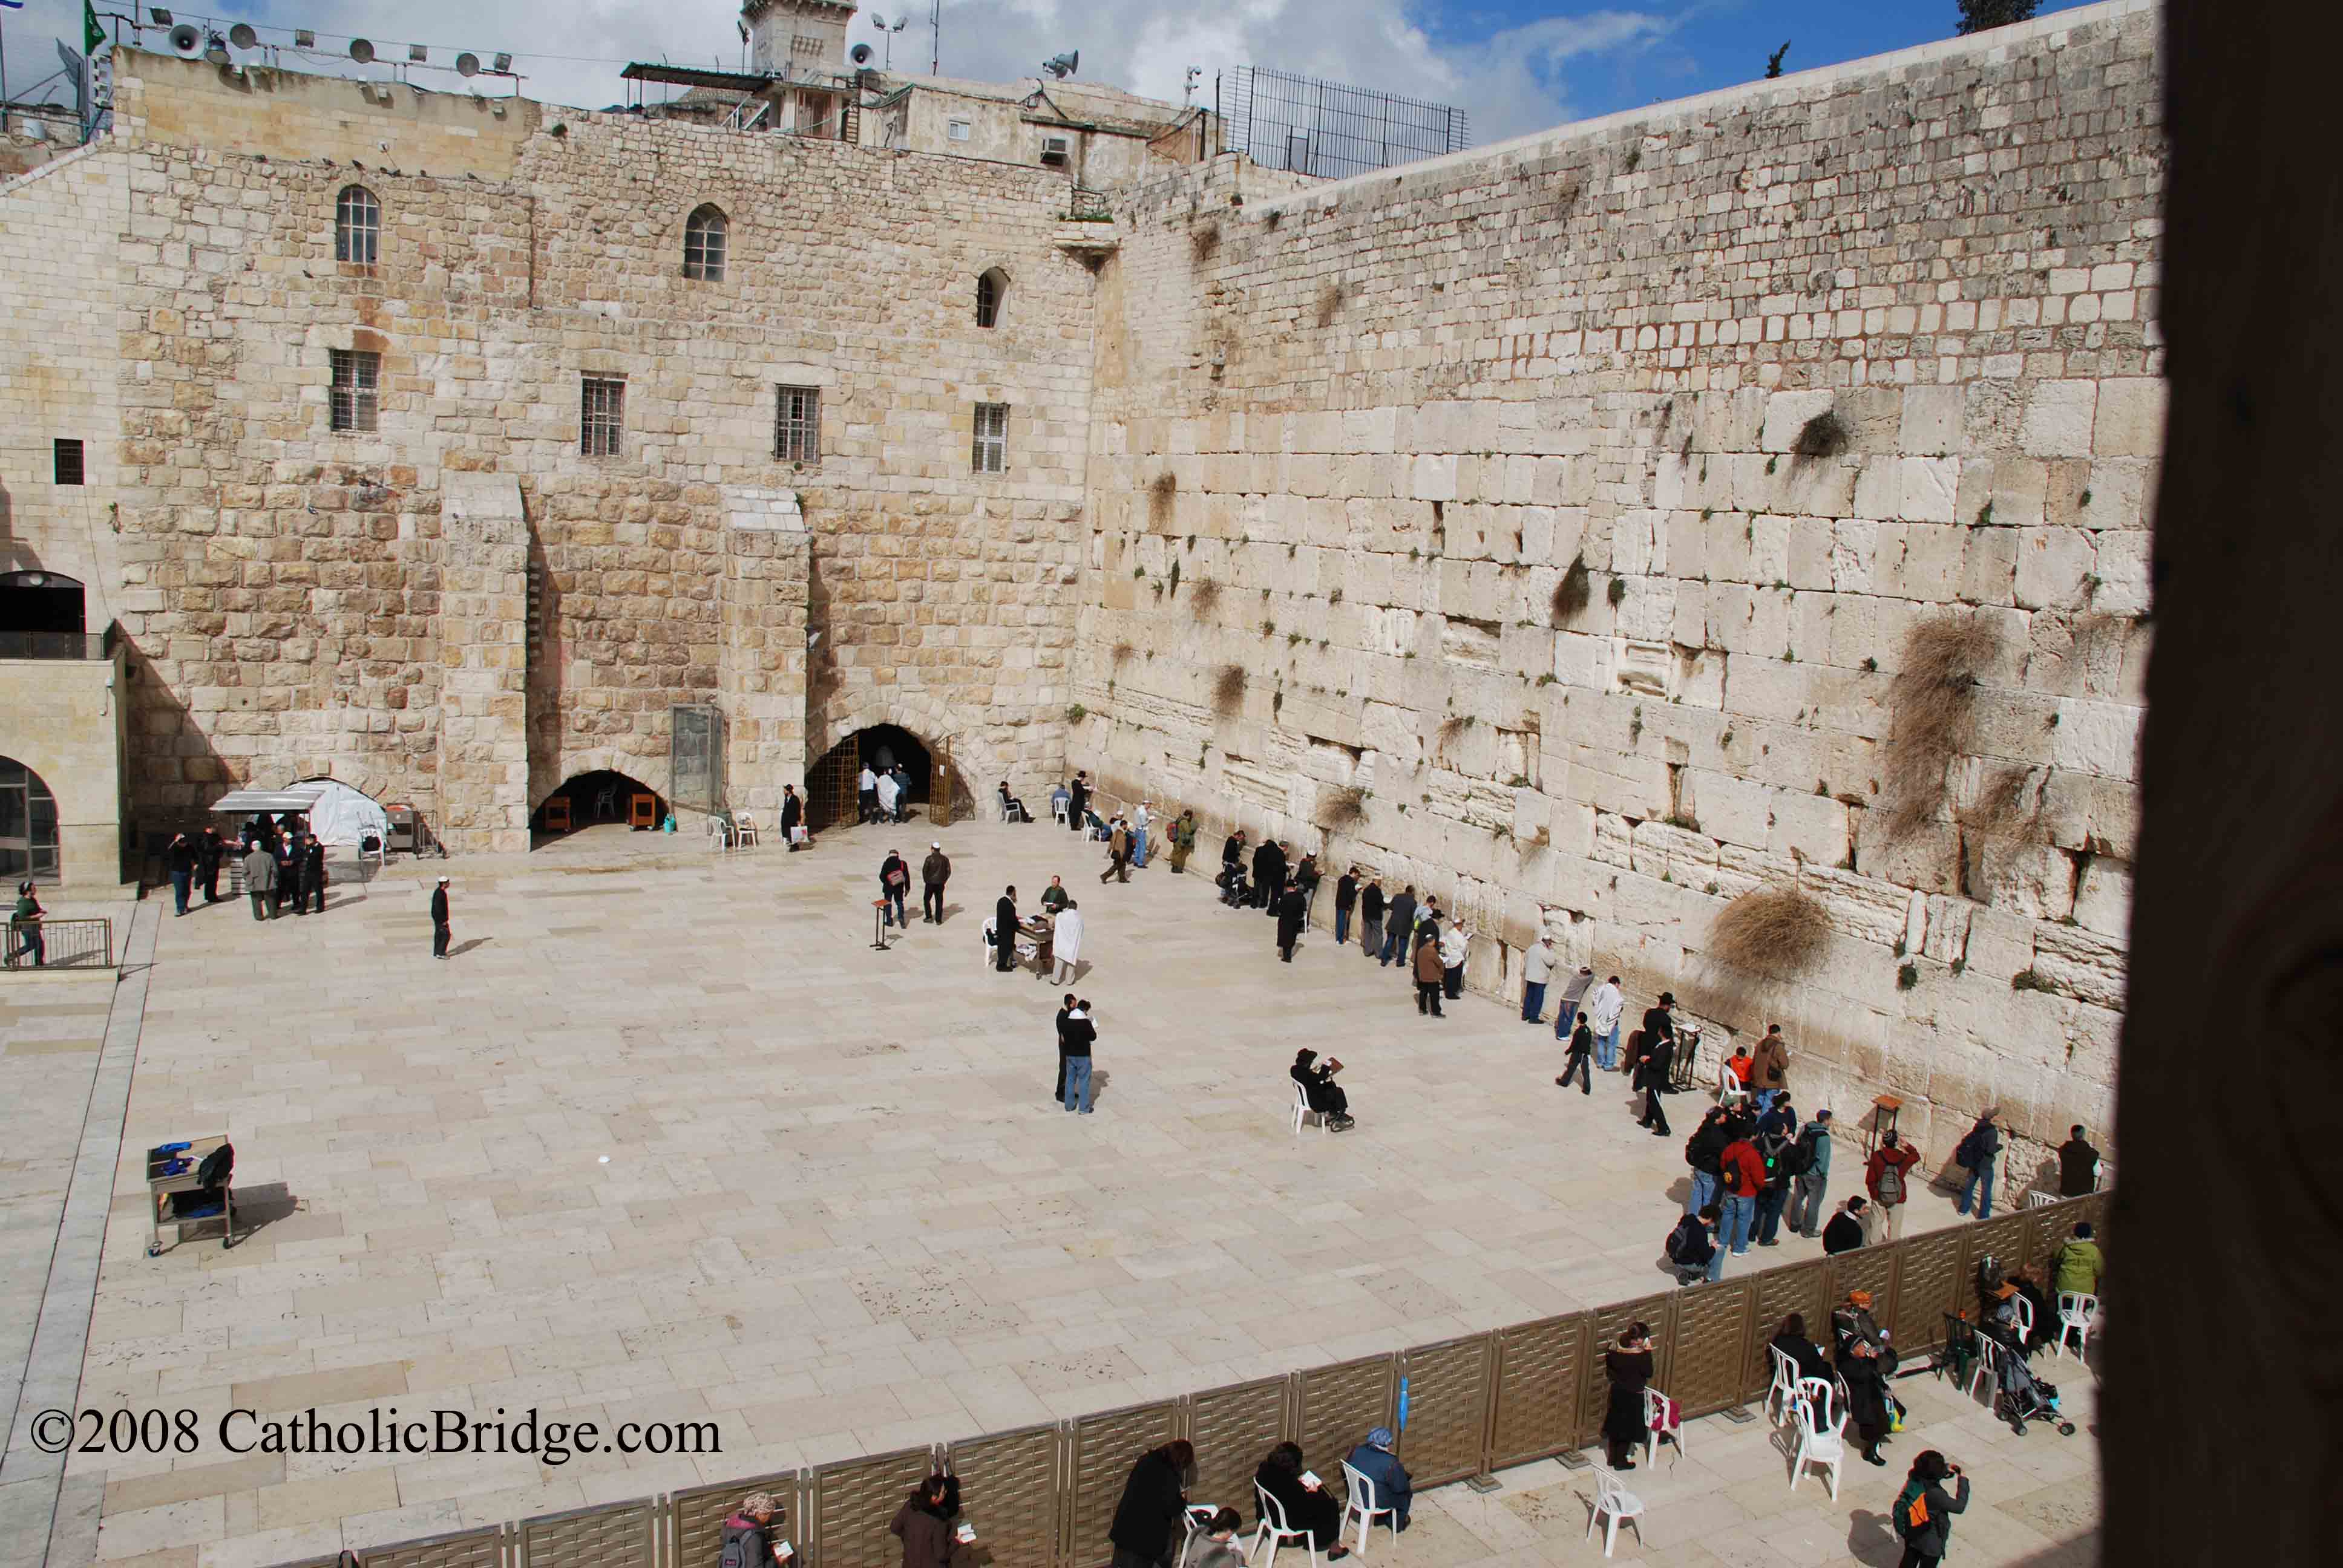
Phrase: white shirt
x=1066 y=936
x=887 y=790
x=1602 y=1012
x=869 y=779
x=1139 y=821
x=1539 y=966
x=1454 y=942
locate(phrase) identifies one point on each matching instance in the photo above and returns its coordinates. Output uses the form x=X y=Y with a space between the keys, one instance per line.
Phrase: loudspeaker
x=186 y=39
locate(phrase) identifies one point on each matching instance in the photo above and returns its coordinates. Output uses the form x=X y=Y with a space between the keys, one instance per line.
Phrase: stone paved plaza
x=668 y=1140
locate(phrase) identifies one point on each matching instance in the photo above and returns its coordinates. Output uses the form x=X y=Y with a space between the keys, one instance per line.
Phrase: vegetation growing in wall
x=1343 y=809
x=1777 y=930
x=1573 y=592
x=1932 y=704
x=1330 y=300
x=1616 y=594
x=1229 y=689
x=1204 y=241
x=1823 y=436
x=1160 y=495
x=1202 y=598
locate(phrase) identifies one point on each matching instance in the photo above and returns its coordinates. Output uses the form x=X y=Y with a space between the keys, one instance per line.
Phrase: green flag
x=93 y=37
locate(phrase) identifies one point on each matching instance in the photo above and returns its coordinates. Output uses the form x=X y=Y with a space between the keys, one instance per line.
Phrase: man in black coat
x=1291 y=909
x=1004 y=932
x=441 y=930
x=1065 y=1010
x=293 y=871
x=1233 y=864
x=1346 y=899
x=1268 y=875
x=1078 y=807
x=1659 y=1057
x=1399 y=933
x=792 y=813
x=210 y=850
x=313 y=873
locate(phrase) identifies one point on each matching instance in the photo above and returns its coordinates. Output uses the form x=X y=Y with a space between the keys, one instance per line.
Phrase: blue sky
x=1515 y=65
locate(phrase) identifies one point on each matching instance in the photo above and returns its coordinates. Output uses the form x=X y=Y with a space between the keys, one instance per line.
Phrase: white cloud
x=571 y=49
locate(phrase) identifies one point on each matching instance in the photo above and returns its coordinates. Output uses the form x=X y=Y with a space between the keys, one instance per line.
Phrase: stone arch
x=933 y=720
x=992 y=297
x=32 y=842
x=650 y=771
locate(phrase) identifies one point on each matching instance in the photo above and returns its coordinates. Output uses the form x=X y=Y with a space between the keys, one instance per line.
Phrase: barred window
x=65 y=456
x=703 y=245
x=601 y=415
x=991 y=451
x=990 y=288
x=357 y=399
x=358 y=226
x=797 y=425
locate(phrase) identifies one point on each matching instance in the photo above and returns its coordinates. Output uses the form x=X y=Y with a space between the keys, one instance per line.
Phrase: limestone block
x=2001 y=945
x=1927 y=489
x=1989 y=565
x=1810 y=543
x=1812 y=825
x=1928 y=857
x=1932 y=421
x=2051 y=566
x=2122 y=560
x=1700 y=676
x=1582 y=661
x=1948 y=939
x=2058 y=418
x=1928 y=566
x=2103 y=898
x=1692 y=628
x=2130 y=418
x=1434 y=478
x=1638 y=544
x=2081 y=964
x=1787 y=414
x=1678 y=854
x=1728 y=807
x=1854 y=555
x=1767 y=689
x=2120 y=491
x=2101 y=738
x=1879 y=487
x=2031 y=879
x=1863 y=907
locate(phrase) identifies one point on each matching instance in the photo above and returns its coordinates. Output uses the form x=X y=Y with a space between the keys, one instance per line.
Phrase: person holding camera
x=1923 y=1514
x=1325 y=1096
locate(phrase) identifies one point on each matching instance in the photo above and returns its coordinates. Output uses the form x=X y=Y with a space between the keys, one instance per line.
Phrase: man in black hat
x=441 y=930
x=1657 y=1061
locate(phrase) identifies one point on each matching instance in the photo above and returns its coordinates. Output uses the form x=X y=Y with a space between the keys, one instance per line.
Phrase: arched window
x=358 y=226
x=991 y=294
x=28 y=826
x=703 y=245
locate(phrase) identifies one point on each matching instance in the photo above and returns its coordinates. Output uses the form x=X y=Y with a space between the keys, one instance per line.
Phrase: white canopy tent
x=336 y=813
x=302 y=798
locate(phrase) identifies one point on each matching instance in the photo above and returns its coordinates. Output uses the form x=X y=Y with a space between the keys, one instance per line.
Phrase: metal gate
x=696 y=757
x=940 y=787
x=831 y=793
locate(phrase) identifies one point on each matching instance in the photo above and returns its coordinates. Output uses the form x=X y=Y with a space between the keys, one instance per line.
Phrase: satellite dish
x=243 y=36
x=467 y=65
x=186 y=39
x=860 y=53
x=361 y=50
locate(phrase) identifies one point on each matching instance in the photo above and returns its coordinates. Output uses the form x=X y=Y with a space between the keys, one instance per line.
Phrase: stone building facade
x=1547 y=527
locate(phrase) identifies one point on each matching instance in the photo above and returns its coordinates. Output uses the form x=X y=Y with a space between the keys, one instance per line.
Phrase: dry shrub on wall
x=1122 y=654
x=1574 y=593
x=1330 y=300
x=1823 y=436
x=1343 y=809
x=1202 y=598
x=1204 y=241
x=1770 y=931
x=1931 y=702
x=2006 y=806
x=1229 y=689
x=1160 y=495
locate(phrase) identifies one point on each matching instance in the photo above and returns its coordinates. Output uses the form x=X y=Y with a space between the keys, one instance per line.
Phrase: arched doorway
x=585 y=800
x=28 y=825
x=832 y=784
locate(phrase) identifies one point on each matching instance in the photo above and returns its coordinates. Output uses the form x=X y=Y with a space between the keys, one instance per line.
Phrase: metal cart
x=161 y=1190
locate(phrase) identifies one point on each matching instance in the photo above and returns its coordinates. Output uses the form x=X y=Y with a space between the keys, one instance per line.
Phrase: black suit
x=1658 y=1057
x=1004 y=934
x=439 y=931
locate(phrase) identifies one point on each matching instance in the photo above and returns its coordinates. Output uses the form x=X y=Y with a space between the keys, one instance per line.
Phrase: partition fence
x=1043 y=1497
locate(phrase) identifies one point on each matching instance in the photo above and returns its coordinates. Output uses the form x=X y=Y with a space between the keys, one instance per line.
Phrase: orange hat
x=1860 y=1298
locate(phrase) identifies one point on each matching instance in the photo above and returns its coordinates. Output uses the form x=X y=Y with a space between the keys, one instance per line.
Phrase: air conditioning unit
x=1055 y=150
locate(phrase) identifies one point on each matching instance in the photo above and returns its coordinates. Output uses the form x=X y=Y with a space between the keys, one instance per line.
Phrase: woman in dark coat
x=1147 y=1519
x=1325 y=1096
x=924 y=1525
x=1865 y=1362
x=1307 y=1508
x=1803 y=1353
x=1630 y=1370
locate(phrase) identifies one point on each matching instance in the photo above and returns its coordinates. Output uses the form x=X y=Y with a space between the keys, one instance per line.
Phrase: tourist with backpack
x=1775 y=1144
x=748 y=1535
x=1769 y=1069
x=1692 y=1247
x=1977 y=1154
x=1703 y=1150
x=1922 y=1515
x=1741 y=1176
x=1809 y=1166
x=1888 y=1176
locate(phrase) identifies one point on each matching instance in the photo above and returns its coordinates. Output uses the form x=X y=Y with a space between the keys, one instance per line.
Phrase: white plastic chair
x=1988 y=1364
x=1276 y=1530
x=1784 y=1387
x=1058 y=812
x=1192 y=1519
x=1730 y=1089
x=1613 y=1499
x=720 y=837
x=1302 y=1112
x=1363 y=1507
x=744 y=830
x=2078 y=1314
x=1655 y=1407
x=991 y=941
x=1822 y=1434
x=2024 y=1312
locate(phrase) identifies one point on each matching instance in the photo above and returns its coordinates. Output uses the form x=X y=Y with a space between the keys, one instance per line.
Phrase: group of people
x=895 y=887
x=883 y=794
x=281 y=860
x=1750 y=1167
x=1053 y=935
x=1154 y=1517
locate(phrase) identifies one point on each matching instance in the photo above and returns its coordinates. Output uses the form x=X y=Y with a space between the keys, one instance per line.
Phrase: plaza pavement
x=667 y=1140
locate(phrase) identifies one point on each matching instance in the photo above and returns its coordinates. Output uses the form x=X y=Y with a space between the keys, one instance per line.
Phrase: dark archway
x=43 y=603
x=600 y=796
x=831 y=785
x=28 y=825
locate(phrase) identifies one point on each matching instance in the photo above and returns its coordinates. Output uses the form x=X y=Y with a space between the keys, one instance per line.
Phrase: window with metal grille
x=813 y=113
x=989 y=287
x=797 y=425
x=68 y=462
x=601 y=416
x=703 y=245
x=358 y=390
x=358 y=226
x=991 y=451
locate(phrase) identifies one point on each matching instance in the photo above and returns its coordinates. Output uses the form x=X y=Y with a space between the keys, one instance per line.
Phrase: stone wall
x=1570 y=508
x=292 y=594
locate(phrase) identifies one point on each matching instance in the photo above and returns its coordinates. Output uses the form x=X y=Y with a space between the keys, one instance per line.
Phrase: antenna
x=936 y=35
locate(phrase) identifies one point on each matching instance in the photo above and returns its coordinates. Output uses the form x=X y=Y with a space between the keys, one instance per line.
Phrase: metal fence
x=56 y=644
x=66 y=945
x=1044 y=1496
x=1281 y=121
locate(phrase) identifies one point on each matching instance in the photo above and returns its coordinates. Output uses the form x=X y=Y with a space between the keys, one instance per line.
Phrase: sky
x=1512 y=65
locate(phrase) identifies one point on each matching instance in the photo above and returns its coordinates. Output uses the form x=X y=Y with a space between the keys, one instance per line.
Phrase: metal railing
x=1282 y=121
x=57 y=644
x=1043 y=1497
x=65 y=945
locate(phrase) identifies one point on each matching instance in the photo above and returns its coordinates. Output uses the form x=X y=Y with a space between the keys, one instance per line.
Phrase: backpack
x=1733 y=1177
x=1678 y=1237
x=736 y=1549
x=1911 y=1517
x=1798 y=1159
x=1965 y=1153
x=1774 y=1149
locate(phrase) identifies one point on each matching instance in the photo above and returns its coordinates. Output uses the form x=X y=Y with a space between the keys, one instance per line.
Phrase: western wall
x=1549 y=527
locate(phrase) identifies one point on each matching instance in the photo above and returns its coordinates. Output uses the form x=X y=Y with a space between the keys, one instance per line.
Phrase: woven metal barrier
x=1045 y=1495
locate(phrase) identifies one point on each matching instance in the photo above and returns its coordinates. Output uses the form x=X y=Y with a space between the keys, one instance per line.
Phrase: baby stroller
x=2023 y=1397
x=1232 y=888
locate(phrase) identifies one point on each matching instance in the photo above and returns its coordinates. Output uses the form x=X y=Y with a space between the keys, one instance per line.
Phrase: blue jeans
x=1980 y=1178
x=1607 y=1050
x=1717 y=1264
x=1739 y=1212
x=895 y=907
x=1769 y=1213
x=1764 y=1098
x=1139 y=846
x=1391 y=940
x=1532 y=1001
x=1704 y=1191
x=181 y=882
x=1342 y=925
x=1078 y=1084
